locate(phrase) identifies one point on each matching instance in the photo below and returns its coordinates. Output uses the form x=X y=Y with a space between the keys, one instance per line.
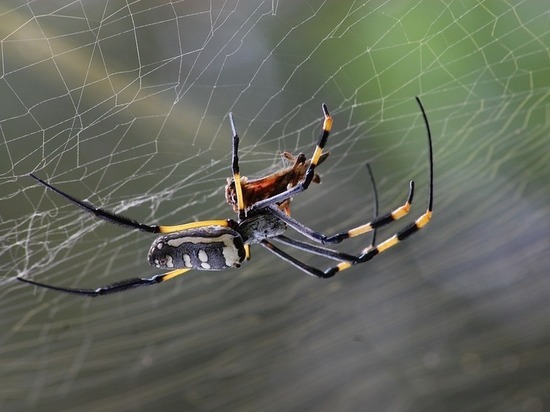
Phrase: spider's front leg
x=371 y=226
x=112 y=287
x=310 y=172
x=371 y=251
x=235 y=168
x=125 y=221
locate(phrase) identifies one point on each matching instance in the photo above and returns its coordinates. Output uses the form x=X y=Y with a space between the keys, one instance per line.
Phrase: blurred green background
x=125 y=104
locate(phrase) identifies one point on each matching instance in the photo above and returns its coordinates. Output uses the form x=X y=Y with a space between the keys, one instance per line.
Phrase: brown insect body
x=262 y=188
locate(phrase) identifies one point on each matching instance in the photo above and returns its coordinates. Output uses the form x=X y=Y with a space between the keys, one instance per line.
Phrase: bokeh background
x=125 y=104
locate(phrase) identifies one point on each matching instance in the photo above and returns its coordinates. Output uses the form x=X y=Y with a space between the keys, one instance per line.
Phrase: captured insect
x=262 y=218
x=254 y=190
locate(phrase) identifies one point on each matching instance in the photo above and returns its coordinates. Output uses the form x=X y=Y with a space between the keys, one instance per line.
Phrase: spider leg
x=178 y=228
x=113 y=287
x=375 y=200
x=315 y=249
x=330 y=253
x=423 y=220
x=346 y=260
x=100 y=213
x=310 y=172
x=369 y=252
x=359 y=230
x=235 y=168
x=310 y=270
x=125 y=221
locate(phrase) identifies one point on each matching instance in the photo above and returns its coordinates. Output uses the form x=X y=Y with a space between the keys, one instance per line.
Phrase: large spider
x=222 y=244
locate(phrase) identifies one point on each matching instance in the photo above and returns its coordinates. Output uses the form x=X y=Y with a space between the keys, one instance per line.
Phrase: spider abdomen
x=205 y=248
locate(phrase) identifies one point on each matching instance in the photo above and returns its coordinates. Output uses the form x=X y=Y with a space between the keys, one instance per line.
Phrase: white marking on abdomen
x=187 y=260
x=169 y=261
x=225 y=238
x=203 y=256
x=229 y=250
x=231 y=256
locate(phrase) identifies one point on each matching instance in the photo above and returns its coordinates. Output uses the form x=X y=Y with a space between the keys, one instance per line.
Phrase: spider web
x=125 y=104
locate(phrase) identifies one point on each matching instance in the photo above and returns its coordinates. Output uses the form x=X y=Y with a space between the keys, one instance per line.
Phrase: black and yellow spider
x=222 y=244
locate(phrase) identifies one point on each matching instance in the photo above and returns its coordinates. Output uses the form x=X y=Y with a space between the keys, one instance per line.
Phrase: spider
x=222 y=244
x=254 y=190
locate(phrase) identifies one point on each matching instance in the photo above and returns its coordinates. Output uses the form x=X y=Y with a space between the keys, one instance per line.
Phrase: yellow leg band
x=392 y=241
x=174 y=273
x=343 y=266
x=239 y=191
x=316 y=155
x=192 y=225
x=327 y=124
x=402 y=211
x=423 y=220
x=360 y=230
